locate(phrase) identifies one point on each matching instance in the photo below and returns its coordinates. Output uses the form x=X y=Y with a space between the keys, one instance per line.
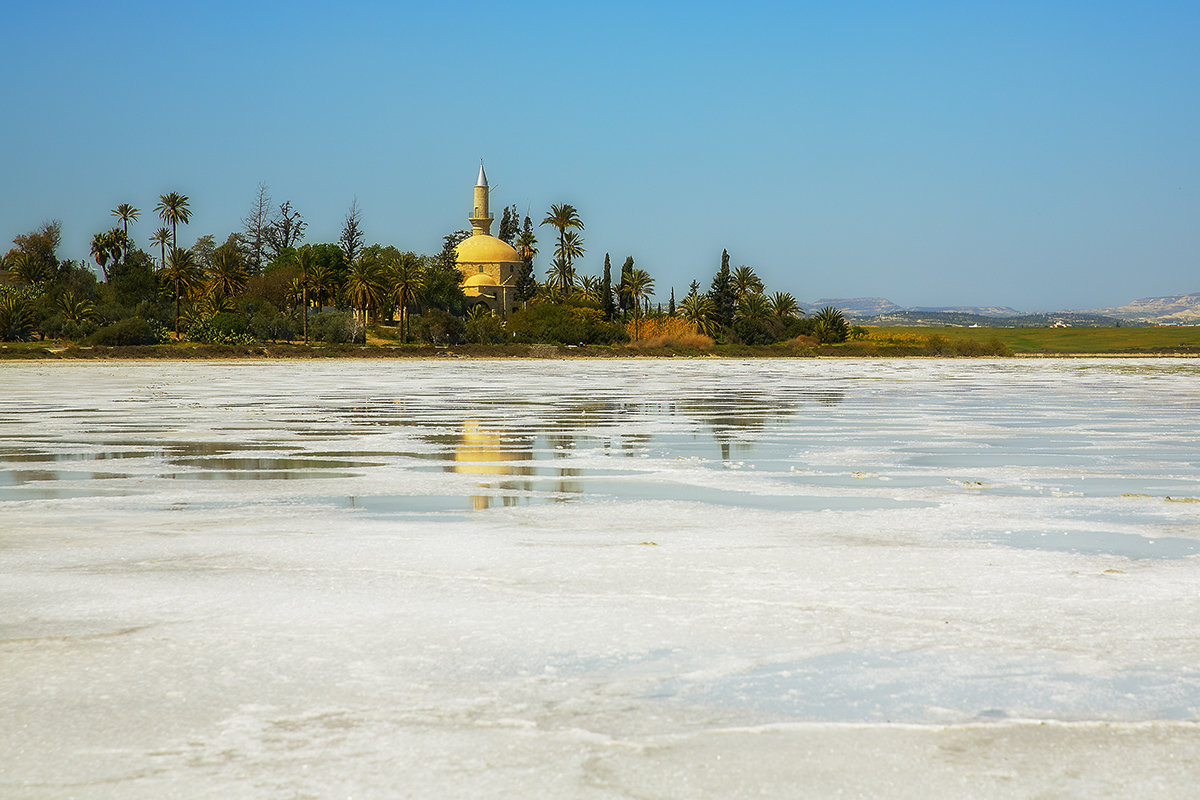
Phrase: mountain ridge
x=1179 y=309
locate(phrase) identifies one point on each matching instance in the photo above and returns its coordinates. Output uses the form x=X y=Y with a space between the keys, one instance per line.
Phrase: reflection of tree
x=732 y=418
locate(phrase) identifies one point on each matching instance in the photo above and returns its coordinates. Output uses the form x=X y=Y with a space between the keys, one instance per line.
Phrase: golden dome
x=482 y=279
x=484 y=249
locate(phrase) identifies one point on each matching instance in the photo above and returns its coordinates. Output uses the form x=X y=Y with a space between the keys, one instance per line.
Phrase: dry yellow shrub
x=655 y=327
x=697 y=341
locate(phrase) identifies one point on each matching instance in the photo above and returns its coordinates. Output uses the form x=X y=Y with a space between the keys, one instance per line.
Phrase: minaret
x=481 y=219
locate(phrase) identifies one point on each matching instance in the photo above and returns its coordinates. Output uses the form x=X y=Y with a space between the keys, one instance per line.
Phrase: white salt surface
x=651 y=579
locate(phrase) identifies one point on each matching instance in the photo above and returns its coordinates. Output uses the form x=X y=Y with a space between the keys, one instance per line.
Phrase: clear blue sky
x=1032 y=154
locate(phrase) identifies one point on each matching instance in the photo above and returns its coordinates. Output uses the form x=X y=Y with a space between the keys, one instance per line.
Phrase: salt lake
x=634 y=578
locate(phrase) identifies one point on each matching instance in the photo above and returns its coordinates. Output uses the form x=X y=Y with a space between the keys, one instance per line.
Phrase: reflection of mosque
x=505 y=462
x=511 y=464
x=488 y=452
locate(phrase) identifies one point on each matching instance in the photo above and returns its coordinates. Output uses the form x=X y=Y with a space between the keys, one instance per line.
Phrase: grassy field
x=1031 y=341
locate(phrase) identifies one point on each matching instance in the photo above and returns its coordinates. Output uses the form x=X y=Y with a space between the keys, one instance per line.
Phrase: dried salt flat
x=586 y=579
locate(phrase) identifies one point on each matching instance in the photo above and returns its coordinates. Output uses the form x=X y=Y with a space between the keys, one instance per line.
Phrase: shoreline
x=235 y=353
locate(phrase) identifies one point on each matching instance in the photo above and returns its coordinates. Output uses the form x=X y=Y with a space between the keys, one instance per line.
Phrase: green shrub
x=331 y=327
x=561 y=324
x=438 y=327
x=763 y=330
x=483 y=327
x=129 y=331
x=268 y=325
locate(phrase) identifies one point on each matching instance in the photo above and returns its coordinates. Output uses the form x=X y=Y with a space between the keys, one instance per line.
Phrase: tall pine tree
x=721 y=292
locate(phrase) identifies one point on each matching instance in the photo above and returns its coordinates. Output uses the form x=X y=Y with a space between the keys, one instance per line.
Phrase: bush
x=562 y=324
x=766 y=330
x=681 y=341
x=129 y=331
x=268 y=325
x=438 y=327
x=658 y=327
x=226 y=327
x=330 y=327
x=483 y=328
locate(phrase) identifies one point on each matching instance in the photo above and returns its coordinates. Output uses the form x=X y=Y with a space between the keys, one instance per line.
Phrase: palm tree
x=161 y=237
x=28 y=268
x=570 y=247
x=173 y=208
x=322 y=280
x=527 y=245
x=745 y=282
x=564 y=217
x=75 y=309
x=561 y=276
x=118 y=245
x=17 y=320
x=364 y=286
x=698 y=309
x=101 y=251
x=227 y=276
x=640 y=286
x=181 y=271
x=784 y=306
x=830 y=325
x=753 y=308
x=126 y=214
x=590 y=288
x=407 y=278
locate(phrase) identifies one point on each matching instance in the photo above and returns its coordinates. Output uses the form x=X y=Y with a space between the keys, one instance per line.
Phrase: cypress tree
x=527 y=285
x=606 y=298
x=671 y=307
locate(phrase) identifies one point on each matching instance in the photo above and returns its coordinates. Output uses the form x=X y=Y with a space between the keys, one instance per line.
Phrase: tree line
x=265 y=283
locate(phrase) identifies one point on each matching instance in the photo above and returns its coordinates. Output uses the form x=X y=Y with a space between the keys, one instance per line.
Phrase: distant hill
x=1178 y=309
x=979 y=311
x=881 y=311
x=1075 y=319
x=857 y=306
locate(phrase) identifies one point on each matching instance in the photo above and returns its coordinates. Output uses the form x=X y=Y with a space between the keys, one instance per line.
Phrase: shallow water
x=464 y=558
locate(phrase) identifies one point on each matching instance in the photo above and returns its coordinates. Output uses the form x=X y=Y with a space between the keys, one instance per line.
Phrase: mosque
x=489 y=267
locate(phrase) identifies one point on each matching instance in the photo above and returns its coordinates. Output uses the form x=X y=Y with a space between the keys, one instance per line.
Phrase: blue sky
x=1036 y=155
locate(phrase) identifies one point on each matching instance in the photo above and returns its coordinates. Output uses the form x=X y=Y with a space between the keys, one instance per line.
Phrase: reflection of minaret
x=481 y=218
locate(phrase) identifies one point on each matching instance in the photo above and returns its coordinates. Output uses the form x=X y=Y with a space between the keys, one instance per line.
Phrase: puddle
x=270 y=464
x=18 y=477
x=853 y=686
x=256 y=475
x=1096 y=543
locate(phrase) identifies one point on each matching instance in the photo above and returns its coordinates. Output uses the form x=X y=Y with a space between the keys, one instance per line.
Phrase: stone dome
x=483 y=249
x=482 y=279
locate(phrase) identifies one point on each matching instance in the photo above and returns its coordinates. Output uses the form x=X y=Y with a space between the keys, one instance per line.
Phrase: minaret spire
x=481 y=219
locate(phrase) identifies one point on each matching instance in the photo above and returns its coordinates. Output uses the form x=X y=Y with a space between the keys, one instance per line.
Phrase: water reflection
x=488 y=451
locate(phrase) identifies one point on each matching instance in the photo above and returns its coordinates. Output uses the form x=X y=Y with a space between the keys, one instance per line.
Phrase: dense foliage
x=265 y=283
